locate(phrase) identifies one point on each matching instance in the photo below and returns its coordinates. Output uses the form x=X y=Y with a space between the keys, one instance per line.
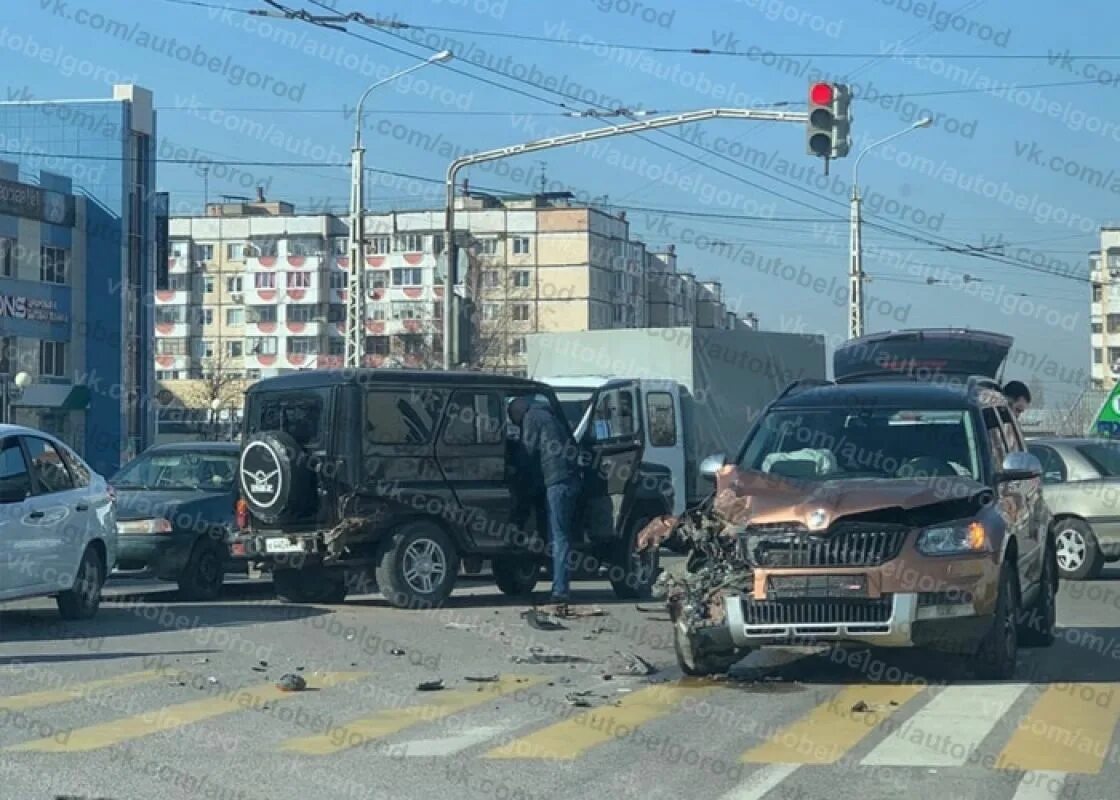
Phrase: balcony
x=299 y=328
x=170 y=362
x=309 y=263
x=301 y=360
x=260 y=328
x=260 y=296
x=261 y=361
x=178 y=265
x=172 y=297
x=300 y=295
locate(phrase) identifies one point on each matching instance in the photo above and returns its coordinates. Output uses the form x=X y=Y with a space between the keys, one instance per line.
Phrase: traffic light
x=827 y=135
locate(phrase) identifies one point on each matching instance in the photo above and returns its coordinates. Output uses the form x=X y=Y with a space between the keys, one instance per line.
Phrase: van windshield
x=839 y=444
x=301 y=414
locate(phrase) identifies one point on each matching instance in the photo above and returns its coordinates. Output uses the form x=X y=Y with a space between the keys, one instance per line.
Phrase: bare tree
x=216 y=381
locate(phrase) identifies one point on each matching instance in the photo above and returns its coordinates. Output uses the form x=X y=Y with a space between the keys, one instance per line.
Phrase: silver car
x=1081 y=480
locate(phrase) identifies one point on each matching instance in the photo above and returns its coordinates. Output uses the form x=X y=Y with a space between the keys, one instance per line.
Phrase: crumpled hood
x=756 y=497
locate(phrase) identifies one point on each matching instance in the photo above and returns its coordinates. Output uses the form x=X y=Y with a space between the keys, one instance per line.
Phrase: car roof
x=211 y=447
x=317 y=378
x=880 y=393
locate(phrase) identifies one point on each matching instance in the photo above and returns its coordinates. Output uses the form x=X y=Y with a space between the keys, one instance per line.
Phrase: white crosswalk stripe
x=450 y=745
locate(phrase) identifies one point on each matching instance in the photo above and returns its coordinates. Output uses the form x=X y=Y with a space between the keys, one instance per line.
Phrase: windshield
x=301 y=415
x=890 y=443
x=186 y=470
x=574 y=403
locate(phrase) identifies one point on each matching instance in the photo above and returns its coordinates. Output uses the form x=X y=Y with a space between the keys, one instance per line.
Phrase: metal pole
x=765 y=115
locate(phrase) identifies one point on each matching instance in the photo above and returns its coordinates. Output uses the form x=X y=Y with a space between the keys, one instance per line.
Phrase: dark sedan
x=175 y=510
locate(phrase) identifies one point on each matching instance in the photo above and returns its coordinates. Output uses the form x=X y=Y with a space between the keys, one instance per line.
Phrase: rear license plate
x=789 y=587
x=282 y=546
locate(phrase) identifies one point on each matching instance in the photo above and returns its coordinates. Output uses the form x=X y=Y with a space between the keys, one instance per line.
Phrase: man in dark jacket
x=549 y=457
x=1018 y=397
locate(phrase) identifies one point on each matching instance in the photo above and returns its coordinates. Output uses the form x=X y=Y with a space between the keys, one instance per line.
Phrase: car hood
x=748 y=496
x=150 y=503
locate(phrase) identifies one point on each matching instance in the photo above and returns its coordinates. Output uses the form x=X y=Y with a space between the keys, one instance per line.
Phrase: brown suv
x=895 y=506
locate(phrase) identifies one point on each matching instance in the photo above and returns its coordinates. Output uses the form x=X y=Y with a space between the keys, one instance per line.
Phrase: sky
x=1016 y=160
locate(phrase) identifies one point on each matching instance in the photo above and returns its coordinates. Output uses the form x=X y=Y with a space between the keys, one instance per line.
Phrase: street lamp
x=355 y=299
x=22 y=380
x=855 y=272
x=215 y=422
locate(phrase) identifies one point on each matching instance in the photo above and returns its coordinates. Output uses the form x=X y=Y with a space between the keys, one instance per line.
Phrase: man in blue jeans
x=547 y=454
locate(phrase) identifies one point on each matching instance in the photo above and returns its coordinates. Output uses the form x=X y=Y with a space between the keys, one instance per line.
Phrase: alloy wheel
x=424 y=565
x=1070 y=548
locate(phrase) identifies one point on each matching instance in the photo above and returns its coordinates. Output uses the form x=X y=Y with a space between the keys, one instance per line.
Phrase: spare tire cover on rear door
x=275 y=476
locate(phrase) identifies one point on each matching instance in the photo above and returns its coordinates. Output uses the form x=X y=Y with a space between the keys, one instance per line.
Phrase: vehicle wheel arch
x=394 y=526
x=1011 y=555
x=98 y=547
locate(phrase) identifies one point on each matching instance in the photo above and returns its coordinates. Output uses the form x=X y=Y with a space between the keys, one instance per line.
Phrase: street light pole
x=856 y=277
x=450 y=306
x=355 y=295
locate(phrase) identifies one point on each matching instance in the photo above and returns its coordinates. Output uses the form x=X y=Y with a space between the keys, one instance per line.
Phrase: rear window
x=1105 y=457
x=302 y=415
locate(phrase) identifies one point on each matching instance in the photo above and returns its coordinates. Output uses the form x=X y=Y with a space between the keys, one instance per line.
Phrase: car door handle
x=82 y=507
x=35 y=515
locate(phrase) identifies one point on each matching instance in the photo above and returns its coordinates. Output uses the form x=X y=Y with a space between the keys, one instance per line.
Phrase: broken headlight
x=954 y=538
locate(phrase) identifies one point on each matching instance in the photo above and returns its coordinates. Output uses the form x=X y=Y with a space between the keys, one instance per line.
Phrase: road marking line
x=392 y=720
x=1069 y=728
x=568 y=739
x=832 y=728
x=96 y=737
x=77 y=691
x=450 y=745
x=1040 y=785
x=947 y=731
x=761 y=782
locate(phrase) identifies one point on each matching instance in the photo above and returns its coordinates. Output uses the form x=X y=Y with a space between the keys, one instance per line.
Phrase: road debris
x=460 y=626
x=860 y=707
x=396 y=651
x=542 y=621
x=577 y=700
x=537 y=655
x=632 y=664
x=291 y=683
x=430 y=686
x=482 y=678
x=259 y=669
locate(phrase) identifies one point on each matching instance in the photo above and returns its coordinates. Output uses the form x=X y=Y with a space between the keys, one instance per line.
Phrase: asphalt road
x=161 y=699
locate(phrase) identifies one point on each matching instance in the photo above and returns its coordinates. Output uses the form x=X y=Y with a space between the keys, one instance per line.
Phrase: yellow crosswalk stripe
x=832 y=728
x=96 y=737
x=77 y=691
x=568 y=739
x=1069 y=729
x=393 y=720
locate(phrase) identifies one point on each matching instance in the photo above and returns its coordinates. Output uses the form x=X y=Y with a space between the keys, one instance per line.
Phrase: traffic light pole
x=855 y=270
x=451 y=305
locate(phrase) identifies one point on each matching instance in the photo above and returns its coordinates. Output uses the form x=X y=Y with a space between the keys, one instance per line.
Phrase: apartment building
x=255 y=289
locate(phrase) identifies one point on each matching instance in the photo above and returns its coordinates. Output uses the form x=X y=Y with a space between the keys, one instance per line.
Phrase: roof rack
x=801 y=385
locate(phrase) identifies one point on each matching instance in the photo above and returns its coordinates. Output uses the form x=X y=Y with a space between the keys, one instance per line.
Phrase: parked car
x=175 y=515
x=1082 y=485
x=895 y=506
x=392 y=478
x=58 y=534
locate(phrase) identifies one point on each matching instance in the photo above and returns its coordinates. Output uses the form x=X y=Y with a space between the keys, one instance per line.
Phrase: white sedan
x=58 y=527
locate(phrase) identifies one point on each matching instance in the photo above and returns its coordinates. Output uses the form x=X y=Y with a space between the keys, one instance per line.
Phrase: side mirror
x=711 y=466
x=1020 y=467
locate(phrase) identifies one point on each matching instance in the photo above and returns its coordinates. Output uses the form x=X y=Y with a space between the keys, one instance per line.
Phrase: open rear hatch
x=930 y=354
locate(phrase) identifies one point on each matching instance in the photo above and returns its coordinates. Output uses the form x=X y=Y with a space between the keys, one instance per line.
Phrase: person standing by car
x=546 y=453
x=1018 y=397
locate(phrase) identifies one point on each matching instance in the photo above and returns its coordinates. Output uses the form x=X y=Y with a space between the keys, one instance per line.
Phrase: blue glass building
x=78 y=250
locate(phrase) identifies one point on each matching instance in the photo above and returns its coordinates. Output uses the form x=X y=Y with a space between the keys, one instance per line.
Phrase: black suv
x=394 y=479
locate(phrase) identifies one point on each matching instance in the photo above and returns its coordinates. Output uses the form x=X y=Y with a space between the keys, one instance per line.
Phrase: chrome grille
x=818 y=612
x=844 y=545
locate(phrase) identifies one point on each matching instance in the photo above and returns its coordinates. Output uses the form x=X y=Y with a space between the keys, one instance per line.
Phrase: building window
x=265 y=247
x=1096 y=293
x=521 y=312
x=377 y=345
x=408 y=311
x=307 y=246
x=377 y=311
x=52 y=264
x=488 y=246
x=205 y=348
x=303 y=345
x=301 y=313
x=378 y=245
x=235 y=316
x=234 y=349
x=521 y=245
x=336 y=346
x=259 y=314
x=409 y=243
x=299 y=280
x=204 y=252
x=517 y=345
x=1096 y=355
x=206 y=316
x=339 y=245
x=8 y=353
x=491 y=311
x=338 y=279
x=179 y=283
x=208 y=284
x=180 y=249
x=262 y=345
x=264 y=280
x=377 y=279
x=7 y=257
x=235 y=251
x=522 y=278
x=171 y=347
x=233 y=285
x=491 y=279
x=412 y=345
x=170 y=315
x=407 y=276
x=437 y=244
x=336 y=312
x=52 y=359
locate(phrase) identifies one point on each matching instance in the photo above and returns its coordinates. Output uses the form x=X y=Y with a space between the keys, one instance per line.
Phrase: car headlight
x=954 y=538
x=158 y=525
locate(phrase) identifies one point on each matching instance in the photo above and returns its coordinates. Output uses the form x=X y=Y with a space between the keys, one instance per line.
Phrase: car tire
x=309 y=586
x=82 y=600
x=515 y=576
x=204 y=575
x=632 y=574
x=696 y=660
x=1041 y=618
x=997 y=654
x=417 y=566
x=1079 y=556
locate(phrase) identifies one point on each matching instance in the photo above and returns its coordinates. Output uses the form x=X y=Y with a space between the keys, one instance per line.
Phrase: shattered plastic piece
x=430 y=686
x=482 y=678
x=212 y=680
x=542 y=621
x=396 y=651
x=258 y=669
x=263 y=663
x=656 y=532
x=201 y=661
x=578 y=700
x=860 y=707
x=460 y=626
x=634 y=664
x=291 y=683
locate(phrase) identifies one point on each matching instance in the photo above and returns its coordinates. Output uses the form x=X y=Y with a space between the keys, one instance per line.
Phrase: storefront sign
x=33 y=309
x=34 y=202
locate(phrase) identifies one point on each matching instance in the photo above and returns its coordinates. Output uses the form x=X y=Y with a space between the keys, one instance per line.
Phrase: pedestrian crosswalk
x=1034 y=730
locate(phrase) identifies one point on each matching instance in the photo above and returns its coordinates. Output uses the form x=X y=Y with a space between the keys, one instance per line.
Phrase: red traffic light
x=821 y=94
